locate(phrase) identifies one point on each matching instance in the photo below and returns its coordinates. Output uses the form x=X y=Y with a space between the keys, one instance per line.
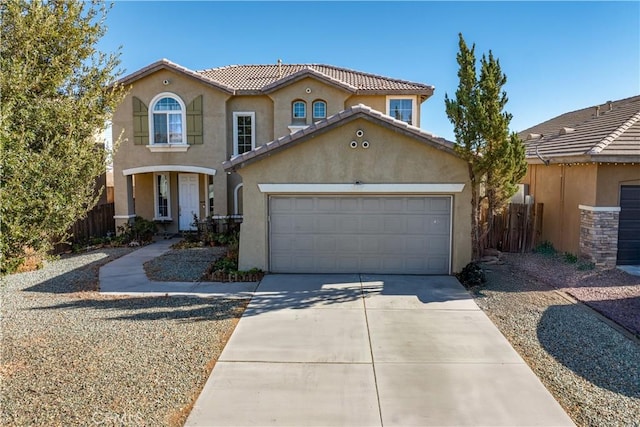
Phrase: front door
x=188 y=200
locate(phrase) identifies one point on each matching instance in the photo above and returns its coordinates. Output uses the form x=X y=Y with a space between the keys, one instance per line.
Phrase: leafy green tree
x=57 y=92
x=495 y=157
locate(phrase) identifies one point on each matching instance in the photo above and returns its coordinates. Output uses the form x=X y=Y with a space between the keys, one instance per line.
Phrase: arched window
x=167 y=121
x=299 y=112
x=319 y=110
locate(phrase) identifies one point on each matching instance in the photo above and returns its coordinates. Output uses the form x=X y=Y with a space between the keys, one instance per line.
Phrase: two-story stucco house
x=328 y=166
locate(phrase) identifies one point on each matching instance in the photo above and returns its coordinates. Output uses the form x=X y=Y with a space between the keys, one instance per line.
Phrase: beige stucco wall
x=283 y=98
x=210 y=154
x=562 y=188
x=610 y=178
x=327 y=158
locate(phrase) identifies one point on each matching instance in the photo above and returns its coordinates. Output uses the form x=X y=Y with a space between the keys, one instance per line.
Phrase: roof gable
x=333 y=122
x=165 y=64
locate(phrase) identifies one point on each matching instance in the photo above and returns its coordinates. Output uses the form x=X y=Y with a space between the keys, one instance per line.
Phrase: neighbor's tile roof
x=262 y=77
x=608 y=131
x=330 y=122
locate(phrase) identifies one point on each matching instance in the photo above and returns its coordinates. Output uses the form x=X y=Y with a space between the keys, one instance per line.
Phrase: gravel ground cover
x=612 y=292
x=592 y=369
x=71 y=357
x=183 y=265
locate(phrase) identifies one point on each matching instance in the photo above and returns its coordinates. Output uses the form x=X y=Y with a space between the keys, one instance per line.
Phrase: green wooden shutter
x=140 y=122
x=194 y=121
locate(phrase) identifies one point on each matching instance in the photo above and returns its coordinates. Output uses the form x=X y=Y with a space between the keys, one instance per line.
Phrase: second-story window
x=167 y=120
x=299 y=112
x=244 y=132
x=401 y=109
x=319 y=110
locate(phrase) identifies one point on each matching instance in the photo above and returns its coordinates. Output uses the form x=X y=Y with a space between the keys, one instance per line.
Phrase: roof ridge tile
x=615 y=134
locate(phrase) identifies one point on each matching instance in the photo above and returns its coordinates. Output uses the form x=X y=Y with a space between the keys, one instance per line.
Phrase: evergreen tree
x=496 y=159
x=57 y=92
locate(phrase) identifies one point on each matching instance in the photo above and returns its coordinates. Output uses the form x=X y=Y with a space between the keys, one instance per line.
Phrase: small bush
x=545 y=248
x=142 y=230
x=472 y=275
x=584 y=265
x=570 y=258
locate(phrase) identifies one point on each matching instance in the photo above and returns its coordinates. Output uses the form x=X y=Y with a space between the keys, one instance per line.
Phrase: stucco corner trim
x=599 y=208
x=362 y=188
x=124 y=216
x=169 y=168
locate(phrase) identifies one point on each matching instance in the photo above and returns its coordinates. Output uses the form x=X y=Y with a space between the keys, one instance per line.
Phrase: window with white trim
x=162 y=191
x=244 y=132
x=299 y=113
x=167 y=120
x=401 y=108
x=319 y=110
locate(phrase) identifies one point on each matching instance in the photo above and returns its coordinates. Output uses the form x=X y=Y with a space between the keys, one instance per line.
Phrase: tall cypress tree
x=57 y=95
x=495 y=158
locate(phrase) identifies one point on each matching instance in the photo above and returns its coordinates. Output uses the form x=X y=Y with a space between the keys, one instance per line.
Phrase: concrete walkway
x=364 y=350
x=126 y=276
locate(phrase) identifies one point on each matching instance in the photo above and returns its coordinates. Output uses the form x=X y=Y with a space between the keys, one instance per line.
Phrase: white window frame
x=183 y=108
x=236 y=115
x=414 y=107
x=156 y=217
x=313 y=109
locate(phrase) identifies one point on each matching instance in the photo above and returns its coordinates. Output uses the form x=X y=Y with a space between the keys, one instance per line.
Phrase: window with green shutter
x=194 y=121
x=140 y=122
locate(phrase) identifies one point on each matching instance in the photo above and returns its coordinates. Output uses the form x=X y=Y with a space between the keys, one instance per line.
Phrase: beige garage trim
x=360 y=234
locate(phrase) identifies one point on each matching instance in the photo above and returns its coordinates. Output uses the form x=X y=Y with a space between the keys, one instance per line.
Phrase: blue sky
x=558 y=56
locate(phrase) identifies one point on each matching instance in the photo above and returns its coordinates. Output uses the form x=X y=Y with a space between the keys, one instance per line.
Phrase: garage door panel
x=438 y=225
x=345 y=234
x=439 y=205
x=325 y=224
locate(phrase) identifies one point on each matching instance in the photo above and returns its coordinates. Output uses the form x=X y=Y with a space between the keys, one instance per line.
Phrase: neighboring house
x=584 y=166
x=327 y=166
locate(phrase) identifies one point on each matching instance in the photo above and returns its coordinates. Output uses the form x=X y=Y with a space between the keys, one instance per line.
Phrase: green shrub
x=142 y=230
x=545 y=248
x=472 y=275
x=570 y=258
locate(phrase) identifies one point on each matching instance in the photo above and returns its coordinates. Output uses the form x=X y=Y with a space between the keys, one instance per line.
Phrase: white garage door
x=404 y=235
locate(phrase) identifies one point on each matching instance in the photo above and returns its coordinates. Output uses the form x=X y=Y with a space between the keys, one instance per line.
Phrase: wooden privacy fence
x=98 y=223
x=516 y=229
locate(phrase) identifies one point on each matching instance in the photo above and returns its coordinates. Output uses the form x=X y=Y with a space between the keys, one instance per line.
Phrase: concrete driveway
x=370 y=350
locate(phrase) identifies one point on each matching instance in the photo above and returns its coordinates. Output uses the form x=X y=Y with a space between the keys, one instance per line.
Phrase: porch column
x=599 y=234
x=131 y=210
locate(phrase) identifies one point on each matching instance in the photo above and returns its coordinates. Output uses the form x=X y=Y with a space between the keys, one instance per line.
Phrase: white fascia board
x=362 y=188
x=599 y=208
x=169 y=168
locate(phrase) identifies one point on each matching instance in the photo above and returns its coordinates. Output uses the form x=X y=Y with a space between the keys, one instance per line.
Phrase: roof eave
x=586 y=158
x=165 y=64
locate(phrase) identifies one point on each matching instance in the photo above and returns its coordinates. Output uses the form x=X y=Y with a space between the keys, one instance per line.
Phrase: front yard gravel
x=183 y=265
x=592 y=369
x=72 y=357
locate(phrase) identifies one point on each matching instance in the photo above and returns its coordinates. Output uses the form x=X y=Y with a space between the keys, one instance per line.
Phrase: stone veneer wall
x=599 y=235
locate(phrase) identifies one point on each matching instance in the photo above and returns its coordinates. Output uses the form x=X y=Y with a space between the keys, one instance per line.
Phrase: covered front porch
x=176 y=197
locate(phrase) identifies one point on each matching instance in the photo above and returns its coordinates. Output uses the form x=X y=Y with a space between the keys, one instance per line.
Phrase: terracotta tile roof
x=608 y=132
x=263 y=77
x=333 y=121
